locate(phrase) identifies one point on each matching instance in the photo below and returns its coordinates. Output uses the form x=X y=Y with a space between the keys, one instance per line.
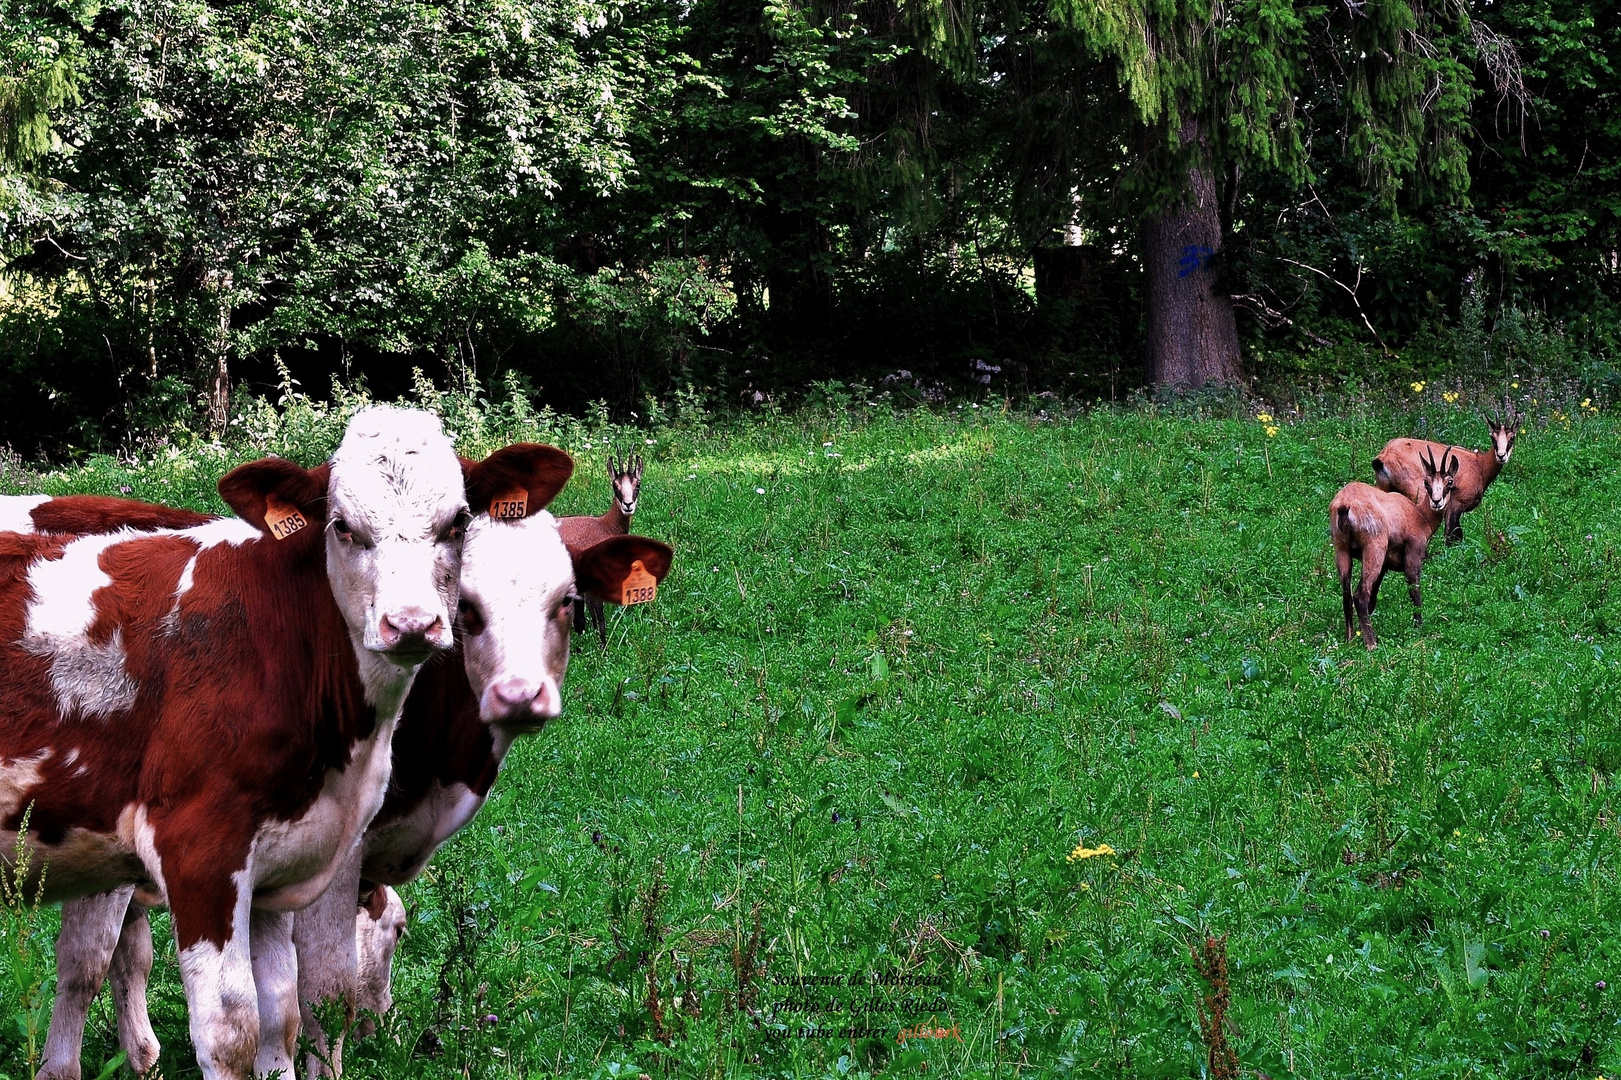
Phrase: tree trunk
x=219 y=380
x=1192 y=338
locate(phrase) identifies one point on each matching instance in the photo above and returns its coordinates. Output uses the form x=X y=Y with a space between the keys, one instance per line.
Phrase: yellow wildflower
x=1265 y=417
x=1271 y=430
x=1418 y=388
x=1083 y=852
x=1196 y=774
x=1085 y=887
x=1449 y=397
x=1586 y=402
x=1515 y=385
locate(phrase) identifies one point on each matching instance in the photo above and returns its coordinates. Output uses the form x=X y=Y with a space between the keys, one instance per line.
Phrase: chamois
x=1397 y=467
x=1385 y=530
x=581 y=533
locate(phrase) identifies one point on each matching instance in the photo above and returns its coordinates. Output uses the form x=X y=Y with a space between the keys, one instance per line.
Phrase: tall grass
x=1028 y=705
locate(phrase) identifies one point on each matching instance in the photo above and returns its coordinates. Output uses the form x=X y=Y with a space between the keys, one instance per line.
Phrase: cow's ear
x=516 y=480
x=275 y=495
x=600 y=572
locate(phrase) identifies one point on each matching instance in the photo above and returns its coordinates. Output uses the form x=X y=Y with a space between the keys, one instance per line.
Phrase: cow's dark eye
x=565 y=609
x=471 y=618
x=344 y=532
x=456 y=529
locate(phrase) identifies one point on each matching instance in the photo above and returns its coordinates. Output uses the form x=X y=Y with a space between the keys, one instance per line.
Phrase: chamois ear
x=264 y=492
x=600 y=571
x=1452 y=464
x=522 y=478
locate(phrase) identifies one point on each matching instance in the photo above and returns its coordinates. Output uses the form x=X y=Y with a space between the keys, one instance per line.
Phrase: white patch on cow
x=183 y=586
x=16 y=511
x=221 y=995
x=297 y=859
x=137 y=834
x=397 y=852
x=89 y=679
x=396 y=487
x=230 y=530
x=18 y=777
x=516 y=575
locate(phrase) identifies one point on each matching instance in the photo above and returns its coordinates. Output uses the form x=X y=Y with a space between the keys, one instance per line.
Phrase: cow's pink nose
x=516 y=698
x=407 y=627
x=515 y=692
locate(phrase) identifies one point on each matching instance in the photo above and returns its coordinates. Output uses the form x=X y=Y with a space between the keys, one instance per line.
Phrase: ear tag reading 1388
x=640 y=587
x=511 y=506
x=283 y=520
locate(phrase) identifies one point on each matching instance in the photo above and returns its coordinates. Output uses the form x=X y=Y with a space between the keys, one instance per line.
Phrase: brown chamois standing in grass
x=1398 y=468
x=582 y=533
x=1385 y=530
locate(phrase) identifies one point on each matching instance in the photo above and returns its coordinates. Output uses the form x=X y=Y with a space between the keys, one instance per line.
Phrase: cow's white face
x=396 y=511
x=517 y=612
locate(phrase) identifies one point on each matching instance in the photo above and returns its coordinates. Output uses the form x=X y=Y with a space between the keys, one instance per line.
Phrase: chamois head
x=1439 y=480
x=627 y=482
x=1504 y=431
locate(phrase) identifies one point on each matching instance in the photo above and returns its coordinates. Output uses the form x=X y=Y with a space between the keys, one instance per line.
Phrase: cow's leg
x=275 y=978
x=84 y=950
x=327 y=964
x=212 y=913
x=132 y=967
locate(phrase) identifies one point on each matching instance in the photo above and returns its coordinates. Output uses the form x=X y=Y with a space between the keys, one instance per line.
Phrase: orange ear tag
x=511 y=506
x=283 y=520
x=640 y=587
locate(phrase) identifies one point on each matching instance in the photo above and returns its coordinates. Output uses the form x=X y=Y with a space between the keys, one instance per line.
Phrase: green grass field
x=907 y=665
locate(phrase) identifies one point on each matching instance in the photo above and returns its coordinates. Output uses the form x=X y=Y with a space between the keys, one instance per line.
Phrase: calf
x=207 y=713
x=519 y=588
x=1399 y=467
x=1386 y=531
x=580 y=533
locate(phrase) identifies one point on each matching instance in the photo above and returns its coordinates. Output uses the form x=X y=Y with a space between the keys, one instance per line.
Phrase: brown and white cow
x=518 y=590
x=207 y=713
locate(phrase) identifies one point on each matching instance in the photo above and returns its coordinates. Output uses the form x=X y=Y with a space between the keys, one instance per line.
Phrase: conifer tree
x=1222 y=90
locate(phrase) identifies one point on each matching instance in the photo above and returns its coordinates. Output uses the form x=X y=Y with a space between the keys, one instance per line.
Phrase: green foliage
x=613 y=198
x=23 y=950
x=908 y=662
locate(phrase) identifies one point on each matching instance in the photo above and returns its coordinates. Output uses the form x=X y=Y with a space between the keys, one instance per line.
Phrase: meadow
x=995 y=714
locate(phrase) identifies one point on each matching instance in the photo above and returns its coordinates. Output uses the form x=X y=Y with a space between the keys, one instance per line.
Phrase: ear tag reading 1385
x=283 y=520
x=511 y=506
x=640 y=587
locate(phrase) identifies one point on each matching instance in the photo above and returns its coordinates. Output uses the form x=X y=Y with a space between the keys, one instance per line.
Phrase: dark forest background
x=610 y=199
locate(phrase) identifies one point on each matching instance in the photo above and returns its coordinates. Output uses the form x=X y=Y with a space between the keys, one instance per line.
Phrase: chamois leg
x=1373 y=594
x=600 y=619
x=1373 y=571
x=1342 y=562
x=1413 y=568
x=1454 y=525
